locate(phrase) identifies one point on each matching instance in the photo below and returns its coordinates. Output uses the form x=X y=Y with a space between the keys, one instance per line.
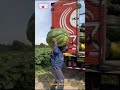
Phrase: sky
x=43 y=20
x=14 y=16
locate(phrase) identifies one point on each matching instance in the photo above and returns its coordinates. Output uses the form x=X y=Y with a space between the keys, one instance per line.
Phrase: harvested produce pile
x=60 y=34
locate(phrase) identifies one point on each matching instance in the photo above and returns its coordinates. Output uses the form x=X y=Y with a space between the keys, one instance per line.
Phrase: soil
x=74 y=80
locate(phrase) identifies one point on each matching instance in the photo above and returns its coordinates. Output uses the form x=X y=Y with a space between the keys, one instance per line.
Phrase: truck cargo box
x=95 y=31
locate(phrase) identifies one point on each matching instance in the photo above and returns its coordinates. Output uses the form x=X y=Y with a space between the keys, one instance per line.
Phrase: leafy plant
x=16 y=70
x=42 y=56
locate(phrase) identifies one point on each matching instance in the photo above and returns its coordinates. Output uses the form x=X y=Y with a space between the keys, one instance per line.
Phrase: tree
x=78 y=6
x=31 y=29
x=17 y=45
x=42 y=45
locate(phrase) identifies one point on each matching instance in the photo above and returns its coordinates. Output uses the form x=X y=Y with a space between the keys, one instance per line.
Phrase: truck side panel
x=95 y=32
x=61 y=16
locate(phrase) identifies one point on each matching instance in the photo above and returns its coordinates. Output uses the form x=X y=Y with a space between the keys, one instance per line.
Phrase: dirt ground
x=74 y=80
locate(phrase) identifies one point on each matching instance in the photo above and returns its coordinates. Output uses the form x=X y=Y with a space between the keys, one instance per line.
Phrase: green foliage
x=42 y=56
x=78 y=6
x=39 y=71
x=17 y=45
x=42 y=45
x=31 y=30
x=16 y=70
x=42 y=63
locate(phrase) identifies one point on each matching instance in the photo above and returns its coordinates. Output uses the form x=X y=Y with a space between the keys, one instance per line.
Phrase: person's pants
x=59 y=79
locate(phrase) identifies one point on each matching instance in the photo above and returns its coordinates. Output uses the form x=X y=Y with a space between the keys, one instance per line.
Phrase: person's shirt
x=57 y=58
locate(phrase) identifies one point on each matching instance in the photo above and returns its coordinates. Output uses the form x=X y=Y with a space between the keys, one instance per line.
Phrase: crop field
x=42 y=57
x=16 y=70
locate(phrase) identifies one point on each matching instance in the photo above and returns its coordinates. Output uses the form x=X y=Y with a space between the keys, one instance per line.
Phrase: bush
x=42 y=57
x=16 y=71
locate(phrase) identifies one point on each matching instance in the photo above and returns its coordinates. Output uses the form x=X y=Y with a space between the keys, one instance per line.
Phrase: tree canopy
x=31 y=29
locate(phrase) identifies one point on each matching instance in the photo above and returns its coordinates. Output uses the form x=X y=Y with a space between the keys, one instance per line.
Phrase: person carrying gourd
x=57 y=62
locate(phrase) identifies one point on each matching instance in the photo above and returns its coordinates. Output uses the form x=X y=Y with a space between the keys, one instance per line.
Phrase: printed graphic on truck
x=64 y=16
x=95 y=32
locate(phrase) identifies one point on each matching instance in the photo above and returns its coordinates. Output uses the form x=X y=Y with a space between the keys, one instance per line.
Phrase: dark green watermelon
x=60 y=34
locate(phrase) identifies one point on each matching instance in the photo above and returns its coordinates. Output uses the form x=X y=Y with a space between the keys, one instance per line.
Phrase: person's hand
x=54 y=40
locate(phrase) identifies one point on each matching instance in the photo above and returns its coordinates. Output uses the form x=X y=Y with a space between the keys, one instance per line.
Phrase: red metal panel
x=95 y=32
x=61 y=19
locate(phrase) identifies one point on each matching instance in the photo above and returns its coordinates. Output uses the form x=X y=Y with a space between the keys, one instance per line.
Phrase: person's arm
x=55 y=50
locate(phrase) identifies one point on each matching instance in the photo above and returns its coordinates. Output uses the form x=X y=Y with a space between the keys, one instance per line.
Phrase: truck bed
x=113 y=62
x=108 y=67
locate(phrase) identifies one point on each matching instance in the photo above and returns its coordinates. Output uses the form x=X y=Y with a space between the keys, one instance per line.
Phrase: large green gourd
x=115 y=48
x=60 y=34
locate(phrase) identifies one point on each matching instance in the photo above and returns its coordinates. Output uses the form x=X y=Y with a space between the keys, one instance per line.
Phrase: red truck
x=66 y=14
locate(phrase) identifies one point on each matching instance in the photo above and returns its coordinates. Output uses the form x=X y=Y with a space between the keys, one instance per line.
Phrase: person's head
x=64 y=48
